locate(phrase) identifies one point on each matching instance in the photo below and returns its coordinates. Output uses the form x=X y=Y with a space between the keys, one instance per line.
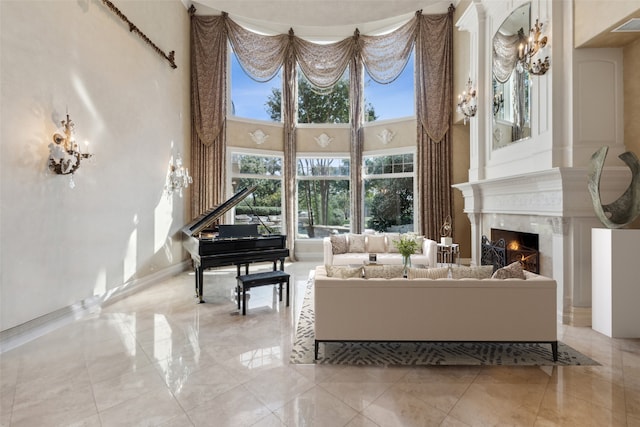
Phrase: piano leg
x=246 y=268
x=199 y=284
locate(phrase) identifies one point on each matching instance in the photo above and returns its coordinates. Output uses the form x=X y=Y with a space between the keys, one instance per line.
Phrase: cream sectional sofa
x=476 y=310
x=382 y=245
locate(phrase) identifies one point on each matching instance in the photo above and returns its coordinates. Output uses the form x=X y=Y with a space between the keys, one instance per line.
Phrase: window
x=249 y=98
x=328 y=106
x=393 y=100
x=323 y=196
x=264 y=205
x=388 y=192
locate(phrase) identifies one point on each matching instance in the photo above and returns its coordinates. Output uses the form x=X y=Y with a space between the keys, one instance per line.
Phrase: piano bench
x=248 y=281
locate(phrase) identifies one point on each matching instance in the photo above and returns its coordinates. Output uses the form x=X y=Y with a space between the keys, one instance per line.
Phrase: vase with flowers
x=407 y=245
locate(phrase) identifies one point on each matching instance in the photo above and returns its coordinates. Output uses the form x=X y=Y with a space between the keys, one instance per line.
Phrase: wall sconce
x=526 y=52
x=64 y=152
x=178 y=177
x=467 y=104
x=498 y=103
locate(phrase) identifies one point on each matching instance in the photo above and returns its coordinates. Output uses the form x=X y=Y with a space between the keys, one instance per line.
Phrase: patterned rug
x=422 y=353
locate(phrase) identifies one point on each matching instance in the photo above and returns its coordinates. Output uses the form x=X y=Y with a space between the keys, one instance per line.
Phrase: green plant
x=406 y=244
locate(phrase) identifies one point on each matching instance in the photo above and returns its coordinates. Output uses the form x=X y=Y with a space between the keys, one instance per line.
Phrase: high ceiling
x=326 y=19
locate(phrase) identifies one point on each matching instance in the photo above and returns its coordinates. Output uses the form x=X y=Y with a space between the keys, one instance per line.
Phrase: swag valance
x=262 y=56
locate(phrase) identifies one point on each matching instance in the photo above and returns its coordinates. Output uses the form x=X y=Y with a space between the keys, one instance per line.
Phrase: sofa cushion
x=343 y=271
x=511 y=271
x=476 y=272
x=391 y=239
x=351 y=258
x=383 y=271
x=428 y=273
x=376 y=243
x=338 y=243
x=356 y=243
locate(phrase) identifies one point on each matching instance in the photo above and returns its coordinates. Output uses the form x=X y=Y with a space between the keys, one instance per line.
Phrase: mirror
x=511 y=80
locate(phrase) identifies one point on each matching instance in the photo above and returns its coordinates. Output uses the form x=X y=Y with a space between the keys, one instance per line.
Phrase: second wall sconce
x=64 y=151
x=178 y=177
x=467 y=103
x=527 y=51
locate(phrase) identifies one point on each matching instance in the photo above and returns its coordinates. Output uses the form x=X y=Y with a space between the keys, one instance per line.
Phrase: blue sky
x=390 y=101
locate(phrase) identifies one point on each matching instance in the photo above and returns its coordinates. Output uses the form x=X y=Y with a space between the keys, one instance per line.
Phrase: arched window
x=249 y=98
x=393 y=100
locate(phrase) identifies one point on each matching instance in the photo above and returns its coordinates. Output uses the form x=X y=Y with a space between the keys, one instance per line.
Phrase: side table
x=448 y=254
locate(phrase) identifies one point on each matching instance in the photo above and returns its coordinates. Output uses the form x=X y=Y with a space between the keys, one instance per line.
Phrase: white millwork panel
x=615 y=284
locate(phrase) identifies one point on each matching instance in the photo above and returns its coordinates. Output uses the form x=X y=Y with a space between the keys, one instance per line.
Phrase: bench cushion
x=264 y=278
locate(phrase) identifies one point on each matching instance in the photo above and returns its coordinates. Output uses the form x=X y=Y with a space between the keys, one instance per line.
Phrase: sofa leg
x=554 y=350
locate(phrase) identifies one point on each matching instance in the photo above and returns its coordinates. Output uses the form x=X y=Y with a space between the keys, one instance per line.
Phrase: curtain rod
x=133 y=29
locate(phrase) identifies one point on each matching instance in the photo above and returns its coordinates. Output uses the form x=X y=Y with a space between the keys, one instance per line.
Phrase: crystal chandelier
x=467 y=103
x=178 y=177
x=64 y=152
x=527 y=51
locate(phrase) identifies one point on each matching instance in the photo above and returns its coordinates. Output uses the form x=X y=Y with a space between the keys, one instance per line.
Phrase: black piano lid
x=209 y=217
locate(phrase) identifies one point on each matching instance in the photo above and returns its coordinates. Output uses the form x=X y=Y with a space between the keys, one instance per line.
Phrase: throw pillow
x=356 y=243
x=343 y=271
x=428 y=273
x=511 y=271
x=338 y=243
x=391 y=239
x=375 y=244
x=479 y=272
x=383 y=271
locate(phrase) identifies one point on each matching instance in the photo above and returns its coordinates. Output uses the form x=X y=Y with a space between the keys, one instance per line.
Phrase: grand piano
x=216 y=245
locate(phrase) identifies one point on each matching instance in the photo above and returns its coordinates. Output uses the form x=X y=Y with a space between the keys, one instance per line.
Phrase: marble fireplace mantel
x=555 y=204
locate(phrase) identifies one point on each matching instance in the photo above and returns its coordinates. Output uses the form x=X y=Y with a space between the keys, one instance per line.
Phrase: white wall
x=60 y=246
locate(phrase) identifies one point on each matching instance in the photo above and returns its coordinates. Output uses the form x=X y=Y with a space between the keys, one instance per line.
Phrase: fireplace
x=506 y=247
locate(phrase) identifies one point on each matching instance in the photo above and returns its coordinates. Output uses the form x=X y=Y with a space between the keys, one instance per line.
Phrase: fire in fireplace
x=506 y=247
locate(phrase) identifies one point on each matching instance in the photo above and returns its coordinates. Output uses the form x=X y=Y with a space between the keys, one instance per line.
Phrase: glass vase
x=406 y=262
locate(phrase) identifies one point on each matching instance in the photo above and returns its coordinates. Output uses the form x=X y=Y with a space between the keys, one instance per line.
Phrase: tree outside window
x=323 y=197
x=264 y=205
x=388 y=192
x=330 y=106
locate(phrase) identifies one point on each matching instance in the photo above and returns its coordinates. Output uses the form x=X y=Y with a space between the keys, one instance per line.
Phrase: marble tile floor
x=157 y=358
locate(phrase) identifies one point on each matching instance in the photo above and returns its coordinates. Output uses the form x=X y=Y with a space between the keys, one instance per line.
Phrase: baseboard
x=578 y=316
x=21 y=334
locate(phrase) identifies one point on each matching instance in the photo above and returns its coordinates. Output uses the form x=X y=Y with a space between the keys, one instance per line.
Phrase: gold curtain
x=208 y=111
x=290 y=118
x=356 y=101
x=434 y=97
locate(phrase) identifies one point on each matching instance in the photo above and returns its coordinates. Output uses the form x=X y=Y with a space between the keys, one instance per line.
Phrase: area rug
x=423 y=353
